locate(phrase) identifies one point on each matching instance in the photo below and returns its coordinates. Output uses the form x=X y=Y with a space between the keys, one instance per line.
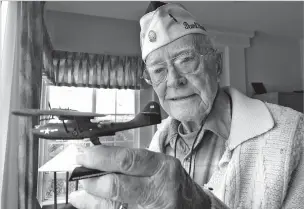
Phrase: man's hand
x=146 y=180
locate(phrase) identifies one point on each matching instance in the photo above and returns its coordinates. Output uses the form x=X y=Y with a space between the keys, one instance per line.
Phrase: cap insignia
x=152 y=36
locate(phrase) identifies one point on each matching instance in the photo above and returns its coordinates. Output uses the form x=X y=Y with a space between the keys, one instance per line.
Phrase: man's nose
x=175 y=79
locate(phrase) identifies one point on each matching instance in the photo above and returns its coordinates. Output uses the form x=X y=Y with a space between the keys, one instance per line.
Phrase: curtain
x=48 y=67
x=30 y=78
x=21 y=71
x=96 y=70
x=44 y=104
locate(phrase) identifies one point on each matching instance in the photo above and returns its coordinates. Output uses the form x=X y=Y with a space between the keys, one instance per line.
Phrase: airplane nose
x=36 y=131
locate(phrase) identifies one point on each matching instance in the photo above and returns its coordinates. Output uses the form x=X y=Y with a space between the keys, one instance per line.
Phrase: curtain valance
x=97 y=70
x=80 y=69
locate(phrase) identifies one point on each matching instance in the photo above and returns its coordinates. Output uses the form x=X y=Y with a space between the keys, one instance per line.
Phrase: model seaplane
x=78 y=125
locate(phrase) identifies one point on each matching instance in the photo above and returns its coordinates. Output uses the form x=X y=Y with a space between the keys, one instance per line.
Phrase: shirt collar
x=215 y=122
x=250 y=118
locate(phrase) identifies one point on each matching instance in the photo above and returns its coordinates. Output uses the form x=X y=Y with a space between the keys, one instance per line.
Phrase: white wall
x=302 y=60
x=302 y=63
x=275 y=61
x=81 y=33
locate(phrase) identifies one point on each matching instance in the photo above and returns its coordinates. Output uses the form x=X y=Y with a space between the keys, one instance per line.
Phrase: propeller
x=49 y=117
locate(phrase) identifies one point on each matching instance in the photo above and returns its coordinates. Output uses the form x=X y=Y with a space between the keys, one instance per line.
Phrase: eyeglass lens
x=184 y=64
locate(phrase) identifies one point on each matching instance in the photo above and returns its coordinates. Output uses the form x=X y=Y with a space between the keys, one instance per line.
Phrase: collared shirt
x=209 y=146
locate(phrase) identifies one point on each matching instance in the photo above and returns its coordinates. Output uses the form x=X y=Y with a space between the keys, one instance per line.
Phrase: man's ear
x=154 y=5
x=219 y=63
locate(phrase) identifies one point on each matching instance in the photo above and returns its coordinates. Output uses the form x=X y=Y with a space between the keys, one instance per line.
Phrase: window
x=104 y=101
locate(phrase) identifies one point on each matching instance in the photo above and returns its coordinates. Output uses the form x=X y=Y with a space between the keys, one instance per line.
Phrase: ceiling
x=272 y=17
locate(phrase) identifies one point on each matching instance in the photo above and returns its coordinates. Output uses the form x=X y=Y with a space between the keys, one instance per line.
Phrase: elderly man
x=217 y=149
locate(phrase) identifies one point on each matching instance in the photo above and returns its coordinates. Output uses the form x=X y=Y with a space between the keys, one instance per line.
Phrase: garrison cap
x=164 y=24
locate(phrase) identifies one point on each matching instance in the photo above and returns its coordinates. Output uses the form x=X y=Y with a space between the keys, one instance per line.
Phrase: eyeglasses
x=185 y=63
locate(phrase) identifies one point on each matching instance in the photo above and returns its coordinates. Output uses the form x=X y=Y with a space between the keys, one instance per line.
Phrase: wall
x=81 y=33
x=302 y=63
x=302 y=60
x=275 y=61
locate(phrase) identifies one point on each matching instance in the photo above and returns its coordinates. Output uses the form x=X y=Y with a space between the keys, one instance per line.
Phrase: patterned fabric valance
x=94 y=70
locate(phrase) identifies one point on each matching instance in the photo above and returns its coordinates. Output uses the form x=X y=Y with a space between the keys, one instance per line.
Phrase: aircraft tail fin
x=152 y=108
x=150 y=115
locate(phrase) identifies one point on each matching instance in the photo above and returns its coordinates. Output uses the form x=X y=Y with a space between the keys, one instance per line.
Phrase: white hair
x=201 y=41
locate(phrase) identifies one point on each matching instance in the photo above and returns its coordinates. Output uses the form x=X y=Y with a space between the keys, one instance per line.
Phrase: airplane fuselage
x=80 y=129
x=84 y=130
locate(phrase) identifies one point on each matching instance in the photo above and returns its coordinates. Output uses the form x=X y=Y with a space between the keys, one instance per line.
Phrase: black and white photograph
x=151 y=104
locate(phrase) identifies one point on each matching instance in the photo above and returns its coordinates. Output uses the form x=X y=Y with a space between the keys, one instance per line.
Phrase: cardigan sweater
x=263 y=164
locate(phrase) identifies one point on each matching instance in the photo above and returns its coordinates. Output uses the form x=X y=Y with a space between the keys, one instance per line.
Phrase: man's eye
x=158 y=70
x=186 y=59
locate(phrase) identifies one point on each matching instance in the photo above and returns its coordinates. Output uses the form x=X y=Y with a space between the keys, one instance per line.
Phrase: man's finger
x=118 y=187
x=138 y=162
x=83 y=200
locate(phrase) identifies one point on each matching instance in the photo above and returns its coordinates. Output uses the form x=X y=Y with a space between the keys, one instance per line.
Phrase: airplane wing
x=57 y=112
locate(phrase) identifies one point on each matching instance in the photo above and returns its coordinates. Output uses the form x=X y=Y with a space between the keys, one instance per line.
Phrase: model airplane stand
x=62 y=163
x=65 y=205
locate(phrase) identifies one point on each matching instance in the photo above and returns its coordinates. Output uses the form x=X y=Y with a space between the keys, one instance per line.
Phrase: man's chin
x=189 y=111
x=185 y=114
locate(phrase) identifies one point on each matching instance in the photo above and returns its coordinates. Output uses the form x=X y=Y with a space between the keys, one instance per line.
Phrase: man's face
x=185 y=97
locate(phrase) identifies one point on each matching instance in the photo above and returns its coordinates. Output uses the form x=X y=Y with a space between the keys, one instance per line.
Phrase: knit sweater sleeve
x=159 y=136
x=295 y=193
x=155 y=142
x=215 y=202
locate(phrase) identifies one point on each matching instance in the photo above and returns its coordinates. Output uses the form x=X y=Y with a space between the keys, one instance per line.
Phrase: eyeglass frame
x=210 y=51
